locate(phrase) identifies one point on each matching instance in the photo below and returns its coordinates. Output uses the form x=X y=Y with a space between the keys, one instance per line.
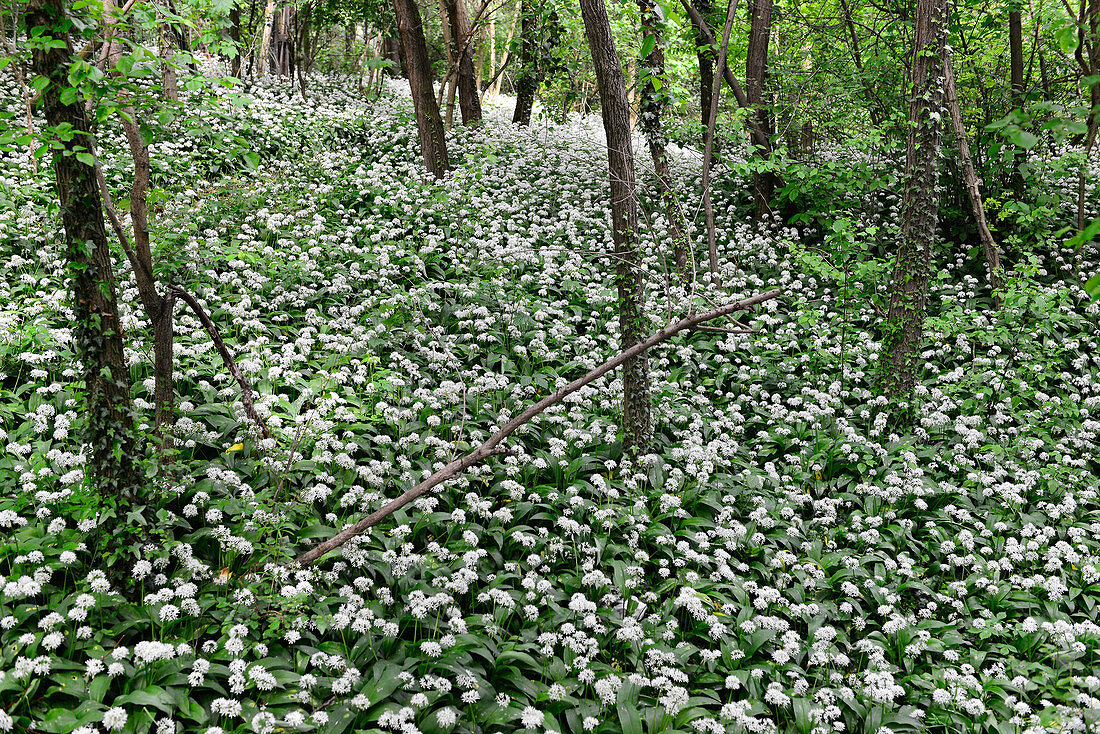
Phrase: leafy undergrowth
x=785 y=559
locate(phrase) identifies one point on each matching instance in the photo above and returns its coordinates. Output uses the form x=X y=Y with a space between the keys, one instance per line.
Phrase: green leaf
x=86 y=158
x=1023 y=139
x=626 y=707
x=648 y=45
x=151 y=696
x=1092 y=287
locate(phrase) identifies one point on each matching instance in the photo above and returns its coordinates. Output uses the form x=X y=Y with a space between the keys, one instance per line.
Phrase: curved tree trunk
x=920 y=204
x=433 y=143
x=97 y=333
x=637 y=422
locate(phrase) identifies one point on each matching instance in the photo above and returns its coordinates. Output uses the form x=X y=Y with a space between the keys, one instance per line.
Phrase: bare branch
x=490 y=447
x=231 y=365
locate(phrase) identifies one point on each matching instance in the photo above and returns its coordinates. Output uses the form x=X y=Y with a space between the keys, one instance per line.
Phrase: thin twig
x=230 y=364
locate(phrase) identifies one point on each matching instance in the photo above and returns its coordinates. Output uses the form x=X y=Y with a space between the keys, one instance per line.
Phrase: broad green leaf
x=1092 y=287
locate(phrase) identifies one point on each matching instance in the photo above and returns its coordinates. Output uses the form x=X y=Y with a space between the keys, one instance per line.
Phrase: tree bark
x=169 y=85
x=874 y=102
x=637 y=422
x=708 y=144
x=1016 y=56
x=469 y=101
x=1088 y=58
x=97 y=333
x=756 y=75
x=704 y=51
x=920 y=204
x=760 y=138
x=653 y=103
x=527 y=83
x=267 y=22
x=993 y=265
x=235 y=36
x=433 y=143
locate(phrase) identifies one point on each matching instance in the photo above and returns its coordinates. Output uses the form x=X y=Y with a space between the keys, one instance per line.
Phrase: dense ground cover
x=786 y=559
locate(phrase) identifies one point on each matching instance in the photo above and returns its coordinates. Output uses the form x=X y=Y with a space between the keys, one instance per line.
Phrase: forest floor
x=786 y=559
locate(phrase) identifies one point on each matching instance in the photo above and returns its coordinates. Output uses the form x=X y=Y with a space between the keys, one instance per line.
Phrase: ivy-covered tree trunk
x=97 y=334
x=653 y=103
x=433 y=144
x=637 y=425
x=527 y=82
x=469 y=100
x=920 y=203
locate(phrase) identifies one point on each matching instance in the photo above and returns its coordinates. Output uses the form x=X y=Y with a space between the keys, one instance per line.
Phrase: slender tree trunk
x=653 y=103
x=704 y=49
x=637 y=425
x=874 y=102
x=267 y=22
x=973 y=186
x=169 y=86
x=448 y=47
x=1088 y=57
x=492 y=50
x=433 y=143
x=507 y=55
x=97 y=333
x=1016 y=56
x=708 y=144
x=756 y=75
x=527 y=83
x=463 y=53
x=493 y=87
x=760 y=138
x=920 y=204
x=235 y=36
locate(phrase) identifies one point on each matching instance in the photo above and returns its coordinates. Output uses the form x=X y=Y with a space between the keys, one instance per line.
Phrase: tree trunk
x=448 y=47
x=653 y=103
x=708 y=144
x=266 y=22
x=874 y=102
x=97 y=333
x=527 y=83
x=637 y=427
x=705 y=52
x=235 y=36
x=973 y=186
x=920 y=204
x=756 y=75
x=1016 y=56
x=506 y=56
x=169 y=86
x=433 y=143
x=462 y=42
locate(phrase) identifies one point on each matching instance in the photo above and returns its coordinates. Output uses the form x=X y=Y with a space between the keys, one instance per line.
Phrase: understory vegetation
x=787 y=557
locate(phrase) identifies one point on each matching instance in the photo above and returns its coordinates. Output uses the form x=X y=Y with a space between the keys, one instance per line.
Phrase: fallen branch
x=722 y=330
x=230 y=364
x=489 y=448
